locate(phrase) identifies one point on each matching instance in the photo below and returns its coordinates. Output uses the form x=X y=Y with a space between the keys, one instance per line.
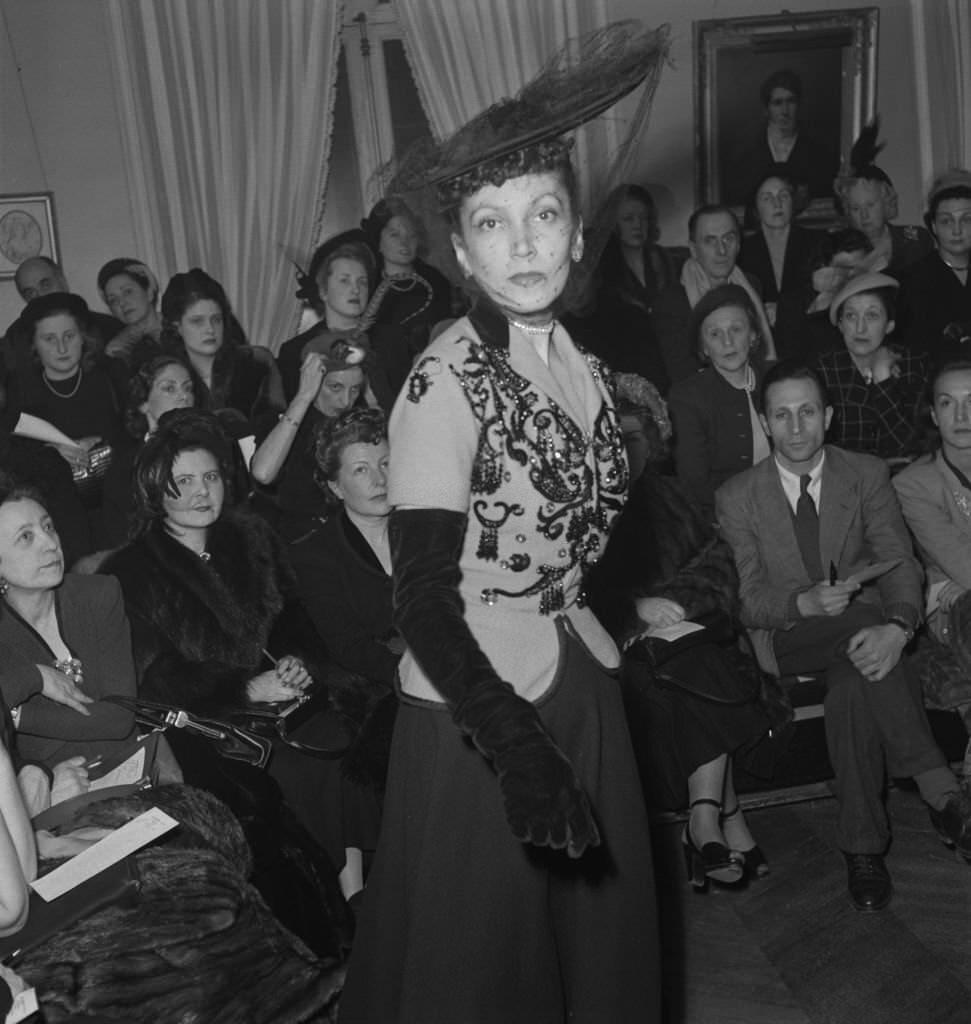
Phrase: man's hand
x=875 y=650
x=826 y=598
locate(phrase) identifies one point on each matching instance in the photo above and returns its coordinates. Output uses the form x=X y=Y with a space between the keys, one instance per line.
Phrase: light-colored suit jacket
x=859 y=523
x=937 y=508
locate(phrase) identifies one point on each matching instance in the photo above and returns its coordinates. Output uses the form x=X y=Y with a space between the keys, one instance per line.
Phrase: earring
x=576 y=254
x=4 y=587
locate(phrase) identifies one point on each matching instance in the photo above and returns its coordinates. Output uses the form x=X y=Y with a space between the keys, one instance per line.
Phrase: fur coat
x=661 y=546
x=196 y=944
x=200 y=628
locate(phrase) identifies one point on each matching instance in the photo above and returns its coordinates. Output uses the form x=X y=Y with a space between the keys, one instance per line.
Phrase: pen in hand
x=833 y=574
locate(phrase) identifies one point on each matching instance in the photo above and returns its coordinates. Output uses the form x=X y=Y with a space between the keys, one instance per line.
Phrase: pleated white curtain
x=467 y=54
x=942 y=37
x=227 y=107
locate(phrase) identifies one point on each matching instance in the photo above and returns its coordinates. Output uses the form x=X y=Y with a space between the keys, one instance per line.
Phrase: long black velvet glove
x=545 y=804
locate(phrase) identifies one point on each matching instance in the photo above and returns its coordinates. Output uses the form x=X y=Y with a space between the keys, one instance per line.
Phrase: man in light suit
x=810 y=506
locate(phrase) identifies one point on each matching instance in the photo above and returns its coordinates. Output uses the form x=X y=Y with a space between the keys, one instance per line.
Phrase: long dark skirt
x=675 y=732
x=463 y=924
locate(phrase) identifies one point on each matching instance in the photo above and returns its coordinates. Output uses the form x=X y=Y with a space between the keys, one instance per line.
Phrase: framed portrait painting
x=27 y=229
x=787 y=88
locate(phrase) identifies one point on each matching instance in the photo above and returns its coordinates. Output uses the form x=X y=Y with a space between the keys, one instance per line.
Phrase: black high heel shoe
x=712 y=861
x=755 y=863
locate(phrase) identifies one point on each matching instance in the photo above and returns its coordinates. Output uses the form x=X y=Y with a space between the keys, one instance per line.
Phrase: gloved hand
x=544 y=801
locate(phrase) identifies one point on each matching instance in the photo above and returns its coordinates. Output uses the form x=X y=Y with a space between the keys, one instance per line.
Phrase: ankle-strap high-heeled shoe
x=711 y=862
x=756 y=865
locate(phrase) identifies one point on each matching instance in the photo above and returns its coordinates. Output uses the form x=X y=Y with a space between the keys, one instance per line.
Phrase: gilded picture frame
x=27 y=229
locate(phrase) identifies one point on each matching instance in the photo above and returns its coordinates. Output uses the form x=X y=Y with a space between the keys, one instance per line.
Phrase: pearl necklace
x=546 y=328
x=60 y=394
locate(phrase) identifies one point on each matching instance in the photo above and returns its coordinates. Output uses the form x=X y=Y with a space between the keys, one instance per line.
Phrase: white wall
x=62 y=48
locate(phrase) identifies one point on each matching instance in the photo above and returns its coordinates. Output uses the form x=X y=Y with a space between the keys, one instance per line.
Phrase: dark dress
x=662 y=547
x=91 y=616
x=348 y=595
x=931 y=297
x=802 y=250
x=199 y=633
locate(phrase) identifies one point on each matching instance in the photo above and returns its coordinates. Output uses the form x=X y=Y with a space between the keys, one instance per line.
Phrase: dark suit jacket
x=931 y=297
x=802 y=248
x=859 y=522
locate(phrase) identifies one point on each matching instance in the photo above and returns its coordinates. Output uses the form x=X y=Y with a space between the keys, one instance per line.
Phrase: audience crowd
x=188 y=520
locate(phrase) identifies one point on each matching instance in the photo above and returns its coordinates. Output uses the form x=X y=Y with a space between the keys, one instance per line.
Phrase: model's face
x=339 y=390
x=635 y=223
x=796 y=422
x=865 y=208
x=715 y=245
x=774 y=203
x=727 y=339
x=127 y=299
x=515 y=241
x=201 y=328
x=952 y=409
x=399 y=243
x=30 y=551
x=59 y=345
x=636 y=442
x=783 y=108
x=362 y=482
x=864 y=324
x=36 y=277
x=952 y=228
x=171 y=389
x=201 y=492
x=344 y=292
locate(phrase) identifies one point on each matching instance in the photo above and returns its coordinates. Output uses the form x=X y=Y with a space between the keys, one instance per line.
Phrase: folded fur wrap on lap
x=199 y=946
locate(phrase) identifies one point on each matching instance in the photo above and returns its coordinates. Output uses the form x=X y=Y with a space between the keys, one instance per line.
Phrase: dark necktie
x=807 y=530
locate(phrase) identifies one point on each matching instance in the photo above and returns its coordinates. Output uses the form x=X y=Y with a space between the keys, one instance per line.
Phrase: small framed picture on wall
x=27 y=229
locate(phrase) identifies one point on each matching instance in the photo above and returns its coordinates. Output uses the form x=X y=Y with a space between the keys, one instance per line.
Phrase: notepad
x=132 y=836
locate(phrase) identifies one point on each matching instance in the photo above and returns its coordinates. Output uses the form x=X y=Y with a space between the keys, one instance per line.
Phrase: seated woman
x=216 y=621
x=874 y=387
x=866 y=196
x=344 y=567
x=69 y=387
x=130 y=290
x=779 y=254
x=803 y=329
x=935 y=495
x=336 y=287
x=233 y=378
x=65 y=638
x=936 y=290
x=333 y=378
x=665 y=564
x=716 y=427
x=633 y=269
x=163 y=383
x=411 y=295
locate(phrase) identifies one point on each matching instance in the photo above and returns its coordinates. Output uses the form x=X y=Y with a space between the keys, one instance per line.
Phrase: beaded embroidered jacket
x=534 y=455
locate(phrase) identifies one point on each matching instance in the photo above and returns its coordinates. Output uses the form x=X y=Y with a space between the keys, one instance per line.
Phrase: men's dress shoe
x=953 y=823
x=869 y=881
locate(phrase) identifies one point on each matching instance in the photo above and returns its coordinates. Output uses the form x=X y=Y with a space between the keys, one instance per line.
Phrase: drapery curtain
x=942 y=35
x=227 y=113
x=467 y=54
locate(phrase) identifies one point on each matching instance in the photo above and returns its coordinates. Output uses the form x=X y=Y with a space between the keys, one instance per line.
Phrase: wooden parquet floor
x=792 y=950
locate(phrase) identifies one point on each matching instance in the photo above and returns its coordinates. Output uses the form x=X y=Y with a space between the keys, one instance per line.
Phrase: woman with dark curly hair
x=162 y=383
x=217 y=621
x=233 y=377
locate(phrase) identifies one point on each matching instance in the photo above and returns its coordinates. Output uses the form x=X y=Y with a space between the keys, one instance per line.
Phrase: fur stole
x=221 y=610
x=661 y=546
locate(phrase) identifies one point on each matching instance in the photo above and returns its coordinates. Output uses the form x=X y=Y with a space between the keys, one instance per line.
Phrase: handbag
x=229 y=740
x=88 y=479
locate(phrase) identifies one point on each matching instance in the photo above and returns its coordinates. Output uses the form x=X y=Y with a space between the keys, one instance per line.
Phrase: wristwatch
x=896 y=620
